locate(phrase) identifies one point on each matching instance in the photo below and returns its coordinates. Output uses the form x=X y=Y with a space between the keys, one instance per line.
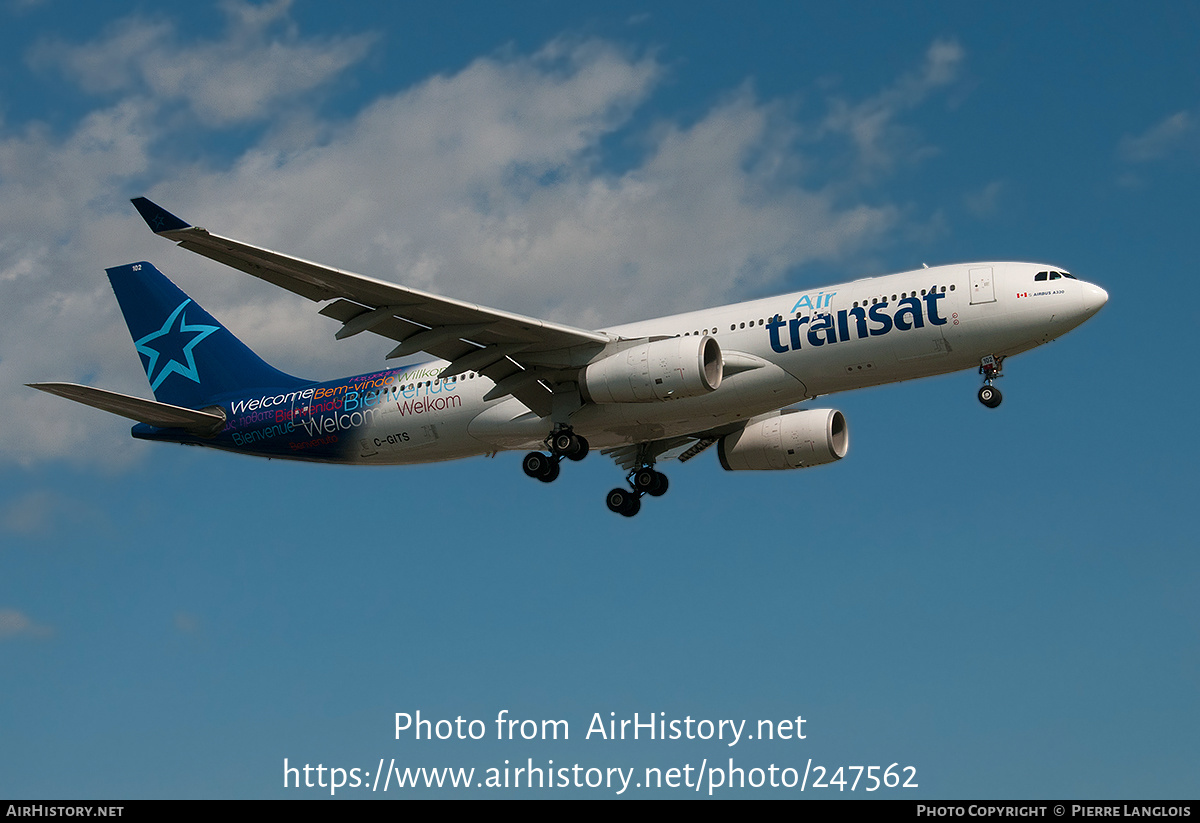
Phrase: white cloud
x=1160 y=139
x=984 y=202
x=30 y=513
x=259 y=64
x=14 y=624
x=487 y=184
x=186 y=622
x=39 y=513
x=871 y=123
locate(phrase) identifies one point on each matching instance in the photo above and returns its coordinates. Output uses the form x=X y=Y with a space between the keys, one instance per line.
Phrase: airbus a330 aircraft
x=641 y=392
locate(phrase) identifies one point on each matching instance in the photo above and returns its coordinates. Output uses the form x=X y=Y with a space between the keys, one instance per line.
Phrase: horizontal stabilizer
x=162 y=415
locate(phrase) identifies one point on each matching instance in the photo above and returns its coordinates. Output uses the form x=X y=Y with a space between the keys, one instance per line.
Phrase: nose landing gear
x=990 y=367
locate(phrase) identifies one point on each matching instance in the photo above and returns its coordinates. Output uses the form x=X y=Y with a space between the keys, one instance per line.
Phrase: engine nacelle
x=791 y=440
x=661 y=370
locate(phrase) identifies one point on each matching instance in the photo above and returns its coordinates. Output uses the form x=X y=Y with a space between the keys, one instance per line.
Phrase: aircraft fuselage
x=777 y=351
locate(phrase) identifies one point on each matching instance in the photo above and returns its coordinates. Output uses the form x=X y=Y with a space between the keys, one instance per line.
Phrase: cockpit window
x=1068 y=275
x=1055 y=275
x=1052 y=275
x=1042 y=275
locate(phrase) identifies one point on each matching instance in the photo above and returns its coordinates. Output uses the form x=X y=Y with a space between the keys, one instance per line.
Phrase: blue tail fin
x=190 y=358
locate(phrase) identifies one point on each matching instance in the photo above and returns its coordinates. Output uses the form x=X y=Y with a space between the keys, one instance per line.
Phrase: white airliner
x=641 y=393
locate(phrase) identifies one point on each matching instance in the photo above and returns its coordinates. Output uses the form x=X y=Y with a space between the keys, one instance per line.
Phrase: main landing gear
x=990 y=367
x=642 y=481
x=561 y=443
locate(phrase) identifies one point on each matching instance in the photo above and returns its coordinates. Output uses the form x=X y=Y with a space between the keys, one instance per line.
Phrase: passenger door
x=983 y=287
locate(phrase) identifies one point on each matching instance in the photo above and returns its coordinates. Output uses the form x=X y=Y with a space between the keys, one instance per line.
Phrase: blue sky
x=1004 y=600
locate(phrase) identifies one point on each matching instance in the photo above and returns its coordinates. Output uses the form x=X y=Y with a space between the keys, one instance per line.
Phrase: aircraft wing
x=682 y=448
x=521 y=354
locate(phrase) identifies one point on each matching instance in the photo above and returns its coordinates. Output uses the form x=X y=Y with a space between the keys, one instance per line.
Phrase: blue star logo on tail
x=172 y=349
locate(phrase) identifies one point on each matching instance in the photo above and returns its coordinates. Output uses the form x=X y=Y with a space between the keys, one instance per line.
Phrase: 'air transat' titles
x=865 y=321
x=821 y=301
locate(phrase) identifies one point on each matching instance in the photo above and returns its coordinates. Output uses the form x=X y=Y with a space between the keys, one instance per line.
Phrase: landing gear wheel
x=660 y=487
x=551 y=473
x=990 y=367
x=565 y=443
x=646 y=480
x=623 y=501
x=990 y=396
x=581 y=448
x=542 y=466
x=534 y=464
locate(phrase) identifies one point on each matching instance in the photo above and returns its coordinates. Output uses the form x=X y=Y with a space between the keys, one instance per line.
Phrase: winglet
x=157 y=218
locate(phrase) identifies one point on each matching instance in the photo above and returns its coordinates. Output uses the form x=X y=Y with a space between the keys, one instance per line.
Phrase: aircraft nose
x=1094 y=299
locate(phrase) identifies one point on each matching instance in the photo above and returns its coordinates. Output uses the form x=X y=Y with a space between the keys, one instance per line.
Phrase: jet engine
x=659 y=370
x=789 y=440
